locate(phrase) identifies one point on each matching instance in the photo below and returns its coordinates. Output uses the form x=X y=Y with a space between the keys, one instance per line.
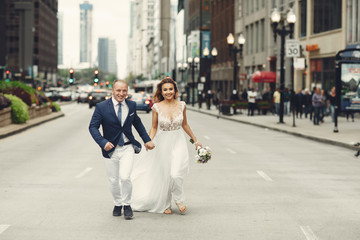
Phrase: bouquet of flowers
x=203 y=154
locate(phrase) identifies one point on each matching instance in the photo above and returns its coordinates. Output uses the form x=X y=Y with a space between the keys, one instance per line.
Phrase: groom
x=117 y=115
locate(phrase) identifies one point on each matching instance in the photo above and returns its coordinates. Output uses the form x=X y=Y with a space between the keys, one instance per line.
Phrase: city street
x=259 y=184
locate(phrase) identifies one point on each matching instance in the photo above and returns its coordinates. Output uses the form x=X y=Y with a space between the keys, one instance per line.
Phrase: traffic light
x=7 y=78
x=107 y=83
x=71 y=79
x=59 y=83
x=96 y=76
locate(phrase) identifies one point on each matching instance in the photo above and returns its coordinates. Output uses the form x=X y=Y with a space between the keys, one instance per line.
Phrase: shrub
x=19 y=110
x=4 y=102
x=21 y=90
x=55 y=107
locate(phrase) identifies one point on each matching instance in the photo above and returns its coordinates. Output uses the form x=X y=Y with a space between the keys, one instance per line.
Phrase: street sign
x=299 y=63
x=292 y=48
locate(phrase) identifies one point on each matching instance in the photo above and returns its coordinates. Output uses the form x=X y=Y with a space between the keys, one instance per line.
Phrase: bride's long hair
x=157 y=96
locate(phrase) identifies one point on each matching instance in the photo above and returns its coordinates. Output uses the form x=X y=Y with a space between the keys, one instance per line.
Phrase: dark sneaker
x=128 y=213
x=117 y=211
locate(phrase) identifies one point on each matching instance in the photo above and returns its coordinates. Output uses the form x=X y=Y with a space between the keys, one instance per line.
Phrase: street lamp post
x=214 y=54
x=230 y=41
x=278 y=22
x=193 y=63
x=182 y=67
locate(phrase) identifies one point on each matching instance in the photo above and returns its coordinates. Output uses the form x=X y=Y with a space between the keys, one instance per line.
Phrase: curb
x=317 y=139
x=17 y=128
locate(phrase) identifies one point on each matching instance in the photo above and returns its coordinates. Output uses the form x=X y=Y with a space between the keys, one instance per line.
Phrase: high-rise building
x=60 y=37
x=107 y=55
x=30 y=39
x=85 y=32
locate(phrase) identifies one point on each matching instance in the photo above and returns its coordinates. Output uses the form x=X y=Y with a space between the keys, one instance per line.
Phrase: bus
x=147 y=86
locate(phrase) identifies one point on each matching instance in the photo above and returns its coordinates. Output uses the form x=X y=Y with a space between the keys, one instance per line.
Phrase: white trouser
x=119 y=167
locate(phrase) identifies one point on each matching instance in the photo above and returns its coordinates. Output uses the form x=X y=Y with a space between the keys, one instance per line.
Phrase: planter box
x=5 y=117
x=39 y=111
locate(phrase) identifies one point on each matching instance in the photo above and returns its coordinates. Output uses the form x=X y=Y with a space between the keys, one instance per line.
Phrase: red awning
x=266 y=77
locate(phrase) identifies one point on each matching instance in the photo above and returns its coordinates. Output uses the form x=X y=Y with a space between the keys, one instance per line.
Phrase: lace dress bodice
x=170 y=122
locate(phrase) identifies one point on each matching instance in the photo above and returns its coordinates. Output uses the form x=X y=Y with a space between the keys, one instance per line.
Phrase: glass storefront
x=323 y=73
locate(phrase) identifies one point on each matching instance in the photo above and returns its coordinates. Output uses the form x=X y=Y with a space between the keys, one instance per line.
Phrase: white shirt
x=124 y=112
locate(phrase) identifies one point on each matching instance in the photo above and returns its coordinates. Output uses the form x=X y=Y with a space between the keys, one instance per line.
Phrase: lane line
x=83 y=172
x=3 y=227
x=264 y=176
x=309 y=234
x=207 y=137
x=231 y=151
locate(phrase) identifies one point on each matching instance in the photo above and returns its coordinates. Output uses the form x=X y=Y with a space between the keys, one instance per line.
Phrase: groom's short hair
x=119 y=81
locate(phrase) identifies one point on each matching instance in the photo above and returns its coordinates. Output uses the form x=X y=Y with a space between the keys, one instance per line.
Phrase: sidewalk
x=16 y=128
x=348 y=135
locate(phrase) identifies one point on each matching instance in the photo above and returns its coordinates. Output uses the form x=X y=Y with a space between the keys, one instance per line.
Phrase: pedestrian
x=276 y=97
x=307 y=102
x=332 y=103
x=234 y=99
x=158 y=175
x=299 y=103
x=251 y=101
x=317 y=101
x=267 y=96
x=287 y=97
x=324 y=106
x=116 y=116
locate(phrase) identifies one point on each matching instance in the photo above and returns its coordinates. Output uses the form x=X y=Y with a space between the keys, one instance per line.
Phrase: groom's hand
x=108 y=146
x=149 y=145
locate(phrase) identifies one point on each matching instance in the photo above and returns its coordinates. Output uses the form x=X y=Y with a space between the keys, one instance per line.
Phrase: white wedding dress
x=156 y=173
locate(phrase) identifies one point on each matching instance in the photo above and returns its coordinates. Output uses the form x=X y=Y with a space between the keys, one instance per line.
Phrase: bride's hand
x=197 y=144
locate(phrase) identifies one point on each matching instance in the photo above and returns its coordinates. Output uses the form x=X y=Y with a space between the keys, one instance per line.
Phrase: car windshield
x=99 y=94
x=138 y=96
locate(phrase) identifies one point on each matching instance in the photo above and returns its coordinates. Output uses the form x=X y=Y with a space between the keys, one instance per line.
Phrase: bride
x=158 y=175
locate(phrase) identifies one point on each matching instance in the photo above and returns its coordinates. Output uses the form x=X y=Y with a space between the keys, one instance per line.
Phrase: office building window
x=247 y=39
x=273 y=4
x=240 y=8
x=327 y=15
x=257 y=5
x=353 y=21
x=262 y=34
x=257 y=36
x=247 y=7
x=263 y=3
x=303 y=18
x=251 y=42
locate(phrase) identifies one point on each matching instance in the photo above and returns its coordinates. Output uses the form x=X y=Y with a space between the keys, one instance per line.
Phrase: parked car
x=143 y=101
x=53 y=95
x=83 y=97
x=66 y=95
x=97 y=96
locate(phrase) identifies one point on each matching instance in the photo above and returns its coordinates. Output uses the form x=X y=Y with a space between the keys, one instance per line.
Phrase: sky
x=111 y=19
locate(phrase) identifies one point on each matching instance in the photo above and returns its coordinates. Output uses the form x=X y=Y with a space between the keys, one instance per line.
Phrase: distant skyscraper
x=60 y=37
x=85 y=32
x=107 y=55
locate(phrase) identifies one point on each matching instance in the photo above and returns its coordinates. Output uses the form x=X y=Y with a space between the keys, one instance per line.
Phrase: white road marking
x=3 y=227
x=83 y=172
x=309 y=234
x=231 y=151
x=207 y=137
x=264 y=176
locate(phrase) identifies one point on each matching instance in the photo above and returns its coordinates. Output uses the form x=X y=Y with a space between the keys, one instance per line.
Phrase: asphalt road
x=260 y=184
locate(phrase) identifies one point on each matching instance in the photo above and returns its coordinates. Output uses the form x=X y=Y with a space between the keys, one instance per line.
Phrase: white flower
x=202 y=152
x=197 y=157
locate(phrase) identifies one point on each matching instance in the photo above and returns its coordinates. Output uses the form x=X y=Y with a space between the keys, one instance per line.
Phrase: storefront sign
x=313 y=47
x=299 y=63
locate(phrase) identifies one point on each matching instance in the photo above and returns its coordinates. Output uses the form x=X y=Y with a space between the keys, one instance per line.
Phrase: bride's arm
x=154 y=124
x=187 y=129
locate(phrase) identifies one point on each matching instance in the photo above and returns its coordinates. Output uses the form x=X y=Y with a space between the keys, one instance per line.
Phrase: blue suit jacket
x=105 y=116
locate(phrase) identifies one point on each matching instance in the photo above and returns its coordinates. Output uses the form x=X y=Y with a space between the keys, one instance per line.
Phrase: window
x=247 y=42
x=247 y=6
x=257 y=5
x=262 y=34
x=251 y=42
x=353 y=21
x=327 y=15
x=240 y=8
x=257 y=36
x=303 y=18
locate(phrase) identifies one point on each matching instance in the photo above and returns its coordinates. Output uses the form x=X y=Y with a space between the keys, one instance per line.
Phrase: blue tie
x=121 y=140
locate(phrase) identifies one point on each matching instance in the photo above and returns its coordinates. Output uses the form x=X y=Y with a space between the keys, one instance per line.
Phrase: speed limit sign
x=292 y=48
